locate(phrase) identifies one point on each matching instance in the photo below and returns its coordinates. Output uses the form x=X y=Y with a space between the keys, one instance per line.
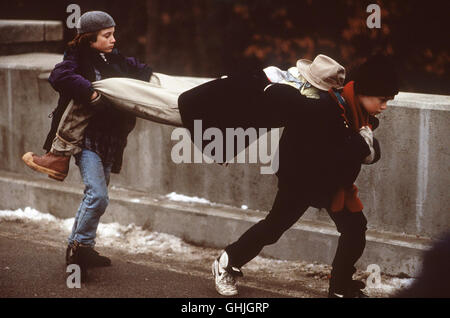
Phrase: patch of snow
x=26 y=214
x=173 y=196
x=130 y=238
x=184 y=198
x=392 y=285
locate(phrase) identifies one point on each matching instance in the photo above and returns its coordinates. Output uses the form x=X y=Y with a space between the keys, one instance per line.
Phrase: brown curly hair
x=83 y=40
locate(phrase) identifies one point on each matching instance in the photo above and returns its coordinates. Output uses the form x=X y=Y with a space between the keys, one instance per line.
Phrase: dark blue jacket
x=73 y=76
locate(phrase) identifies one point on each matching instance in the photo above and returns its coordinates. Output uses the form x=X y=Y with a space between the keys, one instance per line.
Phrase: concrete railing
x=20 y=31
x=405 y=194
x=24 y=36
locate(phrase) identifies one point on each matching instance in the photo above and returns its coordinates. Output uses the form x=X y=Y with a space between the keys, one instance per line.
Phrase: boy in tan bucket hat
x=324 y=143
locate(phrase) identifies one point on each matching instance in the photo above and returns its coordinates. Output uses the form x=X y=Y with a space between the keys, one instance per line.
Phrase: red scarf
x=356 y=118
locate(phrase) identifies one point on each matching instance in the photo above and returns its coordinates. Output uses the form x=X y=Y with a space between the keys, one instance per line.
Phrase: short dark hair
x=377 y=77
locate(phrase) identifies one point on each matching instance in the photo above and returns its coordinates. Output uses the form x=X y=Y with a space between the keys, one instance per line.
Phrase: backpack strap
x=341 y=102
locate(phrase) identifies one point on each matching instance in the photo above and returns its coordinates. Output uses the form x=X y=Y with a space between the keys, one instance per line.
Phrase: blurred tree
x=221 y=36
x=214 y=37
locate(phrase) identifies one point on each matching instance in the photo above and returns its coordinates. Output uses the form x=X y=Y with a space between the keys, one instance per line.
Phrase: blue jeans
x=95 y=176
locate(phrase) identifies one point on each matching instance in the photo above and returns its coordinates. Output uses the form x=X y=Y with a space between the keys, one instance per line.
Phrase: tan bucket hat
x=323 y=72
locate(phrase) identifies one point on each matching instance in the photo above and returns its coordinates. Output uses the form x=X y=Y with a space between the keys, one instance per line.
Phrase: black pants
x=286 y=210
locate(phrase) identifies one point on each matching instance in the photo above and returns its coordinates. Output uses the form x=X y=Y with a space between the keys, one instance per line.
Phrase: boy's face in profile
x=105 y=40
x=374 y=105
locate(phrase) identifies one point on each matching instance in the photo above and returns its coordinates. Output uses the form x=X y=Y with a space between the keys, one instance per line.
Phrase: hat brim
x=303 y=67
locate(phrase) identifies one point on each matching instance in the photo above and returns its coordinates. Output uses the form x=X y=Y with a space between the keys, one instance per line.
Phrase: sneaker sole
x=213 y=268
x=28 y=159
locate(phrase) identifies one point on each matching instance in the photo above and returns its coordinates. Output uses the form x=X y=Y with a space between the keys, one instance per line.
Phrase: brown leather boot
x=55 y=166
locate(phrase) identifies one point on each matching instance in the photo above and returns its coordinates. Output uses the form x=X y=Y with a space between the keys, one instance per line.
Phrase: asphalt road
x=30 y=269
x=32 y=265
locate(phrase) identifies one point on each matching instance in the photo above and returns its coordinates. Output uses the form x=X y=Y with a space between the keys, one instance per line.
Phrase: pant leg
x=176 y=84
x=70 y=132
x=75 y=119
x=96 y=178
x=286 y=210
x=156 y=101
x=351 y=244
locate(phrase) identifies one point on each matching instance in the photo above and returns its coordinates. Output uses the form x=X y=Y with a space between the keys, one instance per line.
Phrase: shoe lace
x=228 y=278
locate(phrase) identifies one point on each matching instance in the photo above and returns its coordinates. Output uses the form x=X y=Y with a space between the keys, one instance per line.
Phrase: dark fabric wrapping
x=237 y=101
x=317 y=152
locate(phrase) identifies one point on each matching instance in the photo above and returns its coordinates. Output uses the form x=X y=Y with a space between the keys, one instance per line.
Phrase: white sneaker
x=225 y=282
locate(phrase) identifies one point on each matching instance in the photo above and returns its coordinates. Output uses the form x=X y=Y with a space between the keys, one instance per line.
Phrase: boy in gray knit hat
x=98 y=134
x=92 y=48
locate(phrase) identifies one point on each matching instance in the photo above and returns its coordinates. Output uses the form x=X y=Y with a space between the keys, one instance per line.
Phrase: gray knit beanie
x=93 y=21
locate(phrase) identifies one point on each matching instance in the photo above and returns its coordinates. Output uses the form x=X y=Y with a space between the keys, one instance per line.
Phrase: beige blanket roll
x=156 y=100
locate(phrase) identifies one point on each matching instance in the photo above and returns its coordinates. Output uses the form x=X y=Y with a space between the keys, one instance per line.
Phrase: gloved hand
x=367 y=134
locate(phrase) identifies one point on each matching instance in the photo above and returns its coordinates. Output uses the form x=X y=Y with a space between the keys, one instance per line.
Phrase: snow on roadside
x=130 y=238
x=134 y=239
x=393 y=285
x=27 y=214
x=173 y=196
